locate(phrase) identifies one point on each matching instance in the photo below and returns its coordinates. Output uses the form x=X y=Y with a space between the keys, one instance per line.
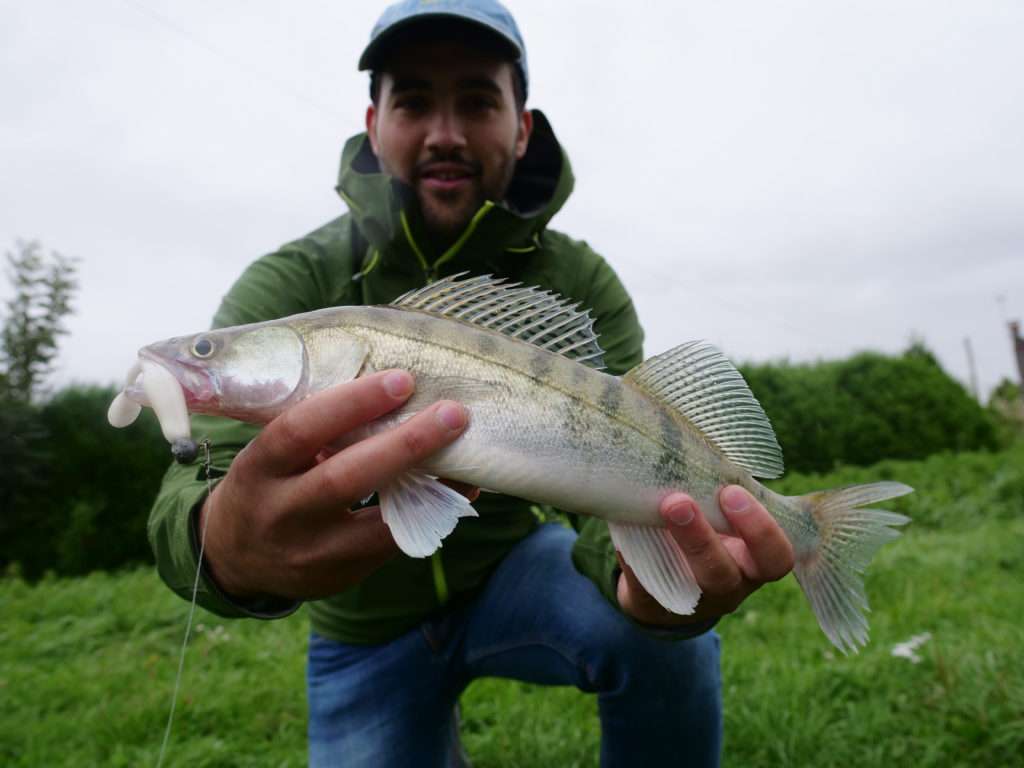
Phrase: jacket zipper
x=433 y=272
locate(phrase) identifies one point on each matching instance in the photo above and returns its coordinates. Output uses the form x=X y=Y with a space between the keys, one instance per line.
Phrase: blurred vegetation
x=84 y=490
x=869 y=407
x=1006 y=405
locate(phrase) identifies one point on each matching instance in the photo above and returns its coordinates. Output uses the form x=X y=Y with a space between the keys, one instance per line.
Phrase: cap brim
x=371 y=57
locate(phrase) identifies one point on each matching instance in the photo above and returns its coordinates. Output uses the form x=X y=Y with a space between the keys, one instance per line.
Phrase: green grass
x=87 y=665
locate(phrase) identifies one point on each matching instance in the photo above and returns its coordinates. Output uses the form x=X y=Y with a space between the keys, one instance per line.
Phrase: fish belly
x=503 y=452
x=546 y=428
x=533 y=440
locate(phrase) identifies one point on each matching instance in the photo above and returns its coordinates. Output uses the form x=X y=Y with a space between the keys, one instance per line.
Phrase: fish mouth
x=165 y=386
x=198 y=385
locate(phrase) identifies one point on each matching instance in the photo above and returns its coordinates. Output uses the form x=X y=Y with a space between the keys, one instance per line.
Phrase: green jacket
x=371 y=255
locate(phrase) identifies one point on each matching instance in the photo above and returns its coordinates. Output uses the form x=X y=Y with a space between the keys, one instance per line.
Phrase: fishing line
x=266 y=77
x=192 y=607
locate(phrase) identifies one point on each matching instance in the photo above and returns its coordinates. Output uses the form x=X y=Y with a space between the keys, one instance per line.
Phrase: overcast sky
x=794 y=180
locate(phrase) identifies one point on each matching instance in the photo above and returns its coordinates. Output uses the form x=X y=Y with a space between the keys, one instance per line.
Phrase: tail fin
x=847 y=538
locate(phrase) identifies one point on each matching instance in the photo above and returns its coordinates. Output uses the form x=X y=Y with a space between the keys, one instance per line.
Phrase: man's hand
x=279 y=522
x=727 y=568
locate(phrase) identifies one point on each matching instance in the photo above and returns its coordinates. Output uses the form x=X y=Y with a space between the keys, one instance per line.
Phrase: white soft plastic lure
x=545 y=424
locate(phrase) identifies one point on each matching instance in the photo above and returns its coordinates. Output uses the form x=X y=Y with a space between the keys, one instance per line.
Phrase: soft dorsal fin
x=698 y=381
x=539 y=317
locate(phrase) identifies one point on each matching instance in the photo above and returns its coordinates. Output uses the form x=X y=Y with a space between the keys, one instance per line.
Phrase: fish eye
x=202 y=347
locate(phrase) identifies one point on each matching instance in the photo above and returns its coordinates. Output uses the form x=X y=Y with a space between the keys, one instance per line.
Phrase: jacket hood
x=387 y=214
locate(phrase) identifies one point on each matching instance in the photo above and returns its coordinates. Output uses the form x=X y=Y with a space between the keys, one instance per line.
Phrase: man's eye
x=479 y=103
x=412 y=104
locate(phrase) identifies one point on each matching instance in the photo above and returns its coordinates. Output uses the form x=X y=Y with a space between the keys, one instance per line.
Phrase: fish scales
x=561 y=433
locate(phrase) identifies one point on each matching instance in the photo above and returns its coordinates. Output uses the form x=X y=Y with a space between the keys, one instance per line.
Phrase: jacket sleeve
x=622 y=339
x=293 y=279
x=172 y=528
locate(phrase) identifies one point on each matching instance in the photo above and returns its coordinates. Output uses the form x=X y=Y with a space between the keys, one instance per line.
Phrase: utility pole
x=1018 y=351
x=971 y=369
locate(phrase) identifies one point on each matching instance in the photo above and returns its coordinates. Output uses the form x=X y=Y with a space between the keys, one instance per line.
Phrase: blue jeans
x=538 y=620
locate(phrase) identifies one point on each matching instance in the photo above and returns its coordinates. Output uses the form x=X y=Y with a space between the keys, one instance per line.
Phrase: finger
x=770 y=553
x=713 y=567
x=292 y=441
x=371 y=464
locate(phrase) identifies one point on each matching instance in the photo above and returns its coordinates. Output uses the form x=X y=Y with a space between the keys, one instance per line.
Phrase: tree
x=43 y=290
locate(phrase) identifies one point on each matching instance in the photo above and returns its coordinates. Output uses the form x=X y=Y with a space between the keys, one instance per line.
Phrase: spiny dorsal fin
x=697 y=380
x=539 y=317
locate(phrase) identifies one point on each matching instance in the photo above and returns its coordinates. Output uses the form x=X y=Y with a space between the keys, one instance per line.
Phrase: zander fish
x=545 y=424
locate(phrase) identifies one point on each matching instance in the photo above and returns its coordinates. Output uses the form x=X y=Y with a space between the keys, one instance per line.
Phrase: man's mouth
x=447 y=177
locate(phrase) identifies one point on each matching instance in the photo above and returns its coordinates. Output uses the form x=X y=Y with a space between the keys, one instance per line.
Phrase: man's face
x=446 y=123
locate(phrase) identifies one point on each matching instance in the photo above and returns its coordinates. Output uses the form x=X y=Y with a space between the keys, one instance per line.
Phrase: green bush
x=1006 y=404
x=867 y=408
x=85 y=488
x=24 y=458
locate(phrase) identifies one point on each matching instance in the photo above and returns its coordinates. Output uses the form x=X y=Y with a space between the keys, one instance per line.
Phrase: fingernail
x=398 y=383
x=734 y=499
x=452 y=416
x=681 y=513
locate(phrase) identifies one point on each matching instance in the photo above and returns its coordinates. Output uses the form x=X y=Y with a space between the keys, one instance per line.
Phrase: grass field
x=87 y=665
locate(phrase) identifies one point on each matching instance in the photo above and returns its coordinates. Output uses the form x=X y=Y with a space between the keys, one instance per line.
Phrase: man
x=452 y=174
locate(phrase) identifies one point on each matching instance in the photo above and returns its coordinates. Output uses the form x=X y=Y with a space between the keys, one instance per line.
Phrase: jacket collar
x=388 y=216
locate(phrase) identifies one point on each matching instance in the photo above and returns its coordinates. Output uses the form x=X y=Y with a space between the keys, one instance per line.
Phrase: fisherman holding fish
x=455 y=175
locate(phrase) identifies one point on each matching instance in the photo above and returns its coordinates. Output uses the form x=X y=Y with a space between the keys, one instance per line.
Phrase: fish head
x=249 y=373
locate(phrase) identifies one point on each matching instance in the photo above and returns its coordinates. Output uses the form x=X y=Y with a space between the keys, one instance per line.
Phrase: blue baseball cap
x=403 y=17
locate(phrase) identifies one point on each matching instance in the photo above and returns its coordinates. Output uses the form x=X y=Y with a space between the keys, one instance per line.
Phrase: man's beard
x=447 y=215
x=445 y=219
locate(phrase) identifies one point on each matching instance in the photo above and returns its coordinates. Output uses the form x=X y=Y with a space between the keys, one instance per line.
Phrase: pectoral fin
x=420 y=511
x=659 y=565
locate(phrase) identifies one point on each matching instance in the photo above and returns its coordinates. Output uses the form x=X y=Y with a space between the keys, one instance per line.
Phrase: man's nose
x=446 y=131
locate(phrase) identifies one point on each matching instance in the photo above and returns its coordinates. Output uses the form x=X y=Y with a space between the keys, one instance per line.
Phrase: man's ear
x=523 y=134
x=371 y=127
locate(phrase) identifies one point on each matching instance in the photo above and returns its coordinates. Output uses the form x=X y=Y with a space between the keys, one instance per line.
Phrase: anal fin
x=421 y=511
x=659 y=565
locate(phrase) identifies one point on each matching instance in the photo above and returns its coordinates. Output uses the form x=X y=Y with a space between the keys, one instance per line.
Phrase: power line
x=261 y=76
